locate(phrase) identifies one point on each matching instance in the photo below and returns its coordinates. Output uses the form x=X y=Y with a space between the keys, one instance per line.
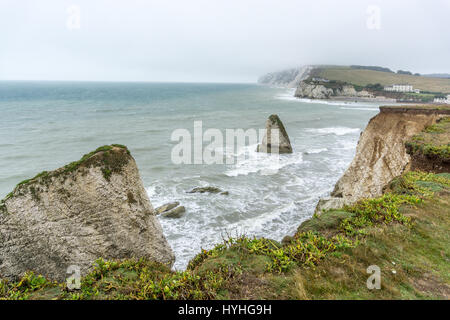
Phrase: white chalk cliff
x=96 y=207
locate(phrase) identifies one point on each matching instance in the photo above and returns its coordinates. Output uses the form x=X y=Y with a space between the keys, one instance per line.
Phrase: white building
x=443 y=100
x=401 y=88
x=320 y=80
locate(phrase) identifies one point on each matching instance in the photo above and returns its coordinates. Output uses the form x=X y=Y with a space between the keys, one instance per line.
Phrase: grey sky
x=215 y=40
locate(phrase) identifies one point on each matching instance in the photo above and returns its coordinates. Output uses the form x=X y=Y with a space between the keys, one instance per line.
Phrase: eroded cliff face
x=380 y=155
x=319 y=91
x=92 y=208
x=290 y=78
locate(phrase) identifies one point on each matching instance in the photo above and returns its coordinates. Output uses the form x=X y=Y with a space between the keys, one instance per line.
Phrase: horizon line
x=131 y=81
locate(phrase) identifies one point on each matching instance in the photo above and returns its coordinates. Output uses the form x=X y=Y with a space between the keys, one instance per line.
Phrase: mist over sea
x=45 y=125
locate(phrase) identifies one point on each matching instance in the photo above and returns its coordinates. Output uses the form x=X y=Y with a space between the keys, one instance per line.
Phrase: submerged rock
x=167 y=207
x=178 y=212
x=270 y=144
x=95 y=207
x=208 y=190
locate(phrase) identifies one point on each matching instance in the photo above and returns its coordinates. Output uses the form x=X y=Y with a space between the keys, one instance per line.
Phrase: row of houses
x=401 y=88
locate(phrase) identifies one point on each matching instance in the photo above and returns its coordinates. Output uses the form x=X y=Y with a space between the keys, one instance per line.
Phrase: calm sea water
x=45 y=125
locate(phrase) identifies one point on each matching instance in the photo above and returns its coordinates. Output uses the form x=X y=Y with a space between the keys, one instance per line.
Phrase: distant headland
x=362 y=83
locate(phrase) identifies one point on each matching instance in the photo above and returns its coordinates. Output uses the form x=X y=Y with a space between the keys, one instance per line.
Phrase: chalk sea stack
x=270 y=144
x=93 y=208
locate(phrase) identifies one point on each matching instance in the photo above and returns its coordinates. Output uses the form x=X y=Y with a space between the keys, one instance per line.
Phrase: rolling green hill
x=364 y=77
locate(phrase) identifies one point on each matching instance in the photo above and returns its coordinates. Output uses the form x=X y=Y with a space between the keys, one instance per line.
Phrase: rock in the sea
x=208 y=190
x=167 y=207
x=178 y=212
x=95 y=207
x=270 y=144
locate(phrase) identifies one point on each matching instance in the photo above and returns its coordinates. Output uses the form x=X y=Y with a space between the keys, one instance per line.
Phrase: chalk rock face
x=350 y=91
x=281 y=143
x=328 y=203
x=380 y=155
x=92 y=208
x=286 y=78
x=313 y=91
x=319 y=91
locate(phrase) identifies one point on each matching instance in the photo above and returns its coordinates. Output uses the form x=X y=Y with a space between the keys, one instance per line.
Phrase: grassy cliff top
x=105 y=156
x=434 y=141
x=417 y=109
x=437 y=107
x=404 y=233
x=363 y=77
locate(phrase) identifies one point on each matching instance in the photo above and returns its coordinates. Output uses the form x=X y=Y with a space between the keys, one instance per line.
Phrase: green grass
x=405 y=230
x=363 y=78
x=433 y=142
x=111 y=162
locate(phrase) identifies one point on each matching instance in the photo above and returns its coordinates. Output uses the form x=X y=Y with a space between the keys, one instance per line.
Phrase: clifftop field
x=364 y=77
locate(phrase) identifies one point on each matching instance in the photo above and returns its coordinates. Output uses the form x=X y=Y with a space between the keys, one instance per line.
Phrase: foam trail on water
x=314 y=151
x=259 y=162
x=339 y=131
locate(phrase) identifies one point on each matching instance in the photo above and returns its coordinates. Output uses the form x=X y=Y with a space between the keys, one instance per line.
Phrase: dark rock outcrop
x=167 y=207
x=177 y=212
x=208 y=190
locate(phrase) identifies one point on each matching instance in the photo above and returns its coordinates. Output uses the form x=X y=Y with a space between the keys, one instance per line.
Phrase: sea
x=45 y=125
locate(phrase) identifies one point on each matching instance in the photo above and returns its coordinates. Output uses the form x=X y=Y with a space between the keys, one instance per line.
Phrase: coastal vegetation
x=433 y=142
x=404 y=232
x=363 y=77
x=109 y=161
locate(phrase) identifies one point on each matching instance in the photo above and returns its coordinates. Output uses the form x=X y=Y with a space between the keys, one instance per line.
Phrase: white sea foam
x=259 y=162
x=339 y=131
x=362 y=109
x=288 y=95
x=314 y=151
x=251 y=225
x=333 y=102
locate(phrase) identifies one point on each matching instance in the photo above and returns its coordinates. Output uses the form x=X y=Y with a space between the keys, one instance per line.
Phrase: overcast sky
x=216 y=40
